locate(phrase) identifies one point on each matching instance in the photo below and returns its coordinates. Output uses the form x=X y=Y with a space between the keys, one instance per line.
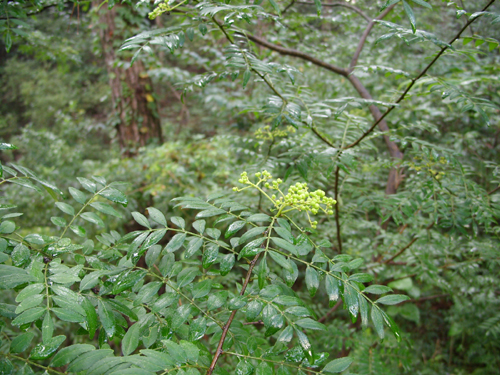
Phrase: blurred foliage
x=228 y=104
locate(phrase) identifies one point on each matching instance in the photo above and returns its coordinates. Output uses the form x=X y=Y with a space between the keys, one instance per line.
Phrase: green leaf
x=78 y=230
x=308 y=323
x=317 y=3
x=88 y=359
x=227 y=264
x=332 y=289
x=131 y=339
x=68 y=315
x=284 y=233
x=20 y=255
x=154 y=238
x=7 y=146
x=281 y=260
x=203 y=28
x=127 y=280
x=210 y=255
x=77 y=195
x=423 y=3
x=70 y=353
x=213 y=232
x=377 y=289
x=378 y=322
x=312 y=280
x=93 y=218
x=29 y=303
x=152 y=255
x=29 y=316
x=11 y=277
x=21 y=342
x=115 y=196
x=351 y=300
x=244 y=368
x=392 y=299
x=202 y=289
x=237 y=303
x=233 y=228
x=107 y=318
x=7 y=227
x=197 y=329
x=216 y=300
x=258 y=218
x=361 y=277
x=264 y=368
x=410 y=14
x=45 y=350
x=106 y=209
x=66 y=208
x=363 y=309
x=210 y=212
x=88 y=185
x=47 y=328
x=338 y=365
x=285 y=245
x=179 y=221
x=59 y=221
x=176 y=352
x=190 y=33
x=29 y=291
x=199 y=226
x=141 y=219
x=253 y=310
x=276 y=7
x=175 y=243
x=246 y=77
x=187 y=275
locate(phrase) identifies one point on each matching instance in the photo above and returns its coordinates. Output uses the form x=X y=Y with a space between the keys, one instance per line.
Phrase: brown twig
x=414 y=80
x=362 y=41
x=331 y=311
x=423 y=299
x=225 y=329
x=253 y=323
x=405 y=247
x=340 y=4
x=296 y=53
x=494 y=190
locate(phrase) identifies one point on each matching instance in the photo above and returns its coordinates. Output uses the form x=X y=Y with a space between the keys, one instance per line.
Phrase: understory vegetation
x=249 y=187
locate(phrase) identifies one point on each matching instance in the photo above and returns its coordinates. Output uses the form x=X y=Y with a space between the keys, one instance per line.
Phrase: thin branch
x=296 y=53
x=405 y=247
x=288 y=7
x=218 y=352
x=367 y=31
x=259 y=322
x=494 y=190
x=414 y=80
x=331 y=311
x=340 y=4
x=423 y=299
x=337 y=214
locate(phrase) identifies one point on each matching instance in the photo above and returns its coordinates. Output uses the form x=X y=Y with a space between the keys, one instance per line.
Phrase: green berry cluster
x=298 y=197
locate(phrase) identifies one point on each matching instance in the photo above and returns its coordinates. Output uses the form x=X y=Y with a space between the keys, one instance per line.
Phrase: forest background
x=109 y=111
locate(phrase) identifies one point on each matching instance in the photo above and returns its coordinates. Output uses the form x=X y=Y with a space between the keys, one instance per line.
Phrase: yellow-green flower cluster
x=267 y=135
x=298 y=197
x=430 y=166
x=159 y=10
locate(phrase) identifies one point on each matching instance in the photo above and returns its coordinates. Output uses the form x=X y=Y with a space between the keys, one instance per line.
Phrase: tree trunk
x=137 y=120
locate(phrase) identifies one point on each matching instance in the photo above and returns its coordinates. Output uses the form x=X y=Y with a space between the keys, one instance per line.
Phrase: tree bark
x=137 y=120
